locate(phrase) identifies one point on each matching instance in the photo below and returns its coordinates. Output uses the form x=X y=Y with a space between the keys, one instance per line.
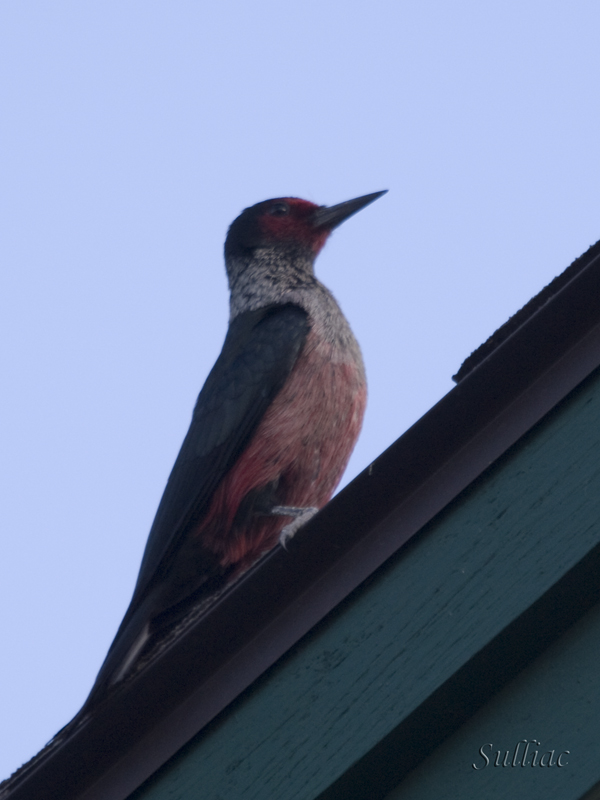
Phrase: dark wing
x=259 y=353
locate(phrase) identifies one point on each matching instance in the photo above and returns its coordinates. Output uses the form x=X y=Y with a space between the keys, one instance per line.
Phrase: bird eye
x=279 y=209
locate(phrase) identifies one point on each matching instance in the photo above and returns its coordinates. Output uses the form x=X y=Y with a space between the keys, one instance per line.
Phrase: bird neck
x=268 y=275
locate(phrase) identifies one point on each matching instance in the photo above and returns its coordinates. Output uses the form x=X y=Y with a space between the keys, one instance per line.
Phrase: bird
x=271 y=432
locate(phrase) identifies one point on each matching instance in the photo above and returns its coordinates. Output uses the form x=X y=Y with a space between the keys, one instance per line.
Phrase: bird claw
x=302 y=515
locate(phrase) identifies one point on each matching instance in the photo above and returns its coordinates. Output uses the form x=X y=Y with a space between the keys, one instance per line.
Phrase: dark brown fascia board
x=140 y=727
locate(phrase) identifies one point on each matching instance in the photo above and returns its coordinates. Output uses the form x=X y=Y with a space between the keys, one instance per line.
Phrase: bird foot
x=301 y=517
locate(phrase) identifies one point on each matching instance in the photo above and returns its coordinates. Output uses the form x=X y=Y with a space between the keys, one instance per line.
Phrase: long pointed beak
x=329 y=217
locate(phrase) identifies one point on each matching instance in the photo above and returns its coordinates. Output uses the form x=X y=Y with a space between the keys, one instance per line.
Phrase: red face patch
x=290 y=219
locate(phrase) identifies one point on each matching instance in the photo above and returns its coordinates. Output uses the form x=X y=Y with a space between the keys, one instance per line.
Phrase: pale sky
x=131 y=134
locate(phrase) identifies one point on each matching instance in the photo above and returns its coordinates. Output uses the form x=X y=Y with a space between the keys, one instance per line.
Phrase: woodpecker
x=272 y=430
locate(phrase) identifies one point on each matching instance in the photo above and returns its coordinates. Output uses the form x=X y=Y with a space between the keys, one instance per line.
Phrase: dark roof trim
x=518 y=319
x=283 y=597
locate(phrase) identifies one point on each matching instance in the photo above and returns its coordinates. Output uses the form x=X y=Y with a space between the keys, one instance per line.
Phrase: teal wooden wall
x=555 y=702
x=491 y=554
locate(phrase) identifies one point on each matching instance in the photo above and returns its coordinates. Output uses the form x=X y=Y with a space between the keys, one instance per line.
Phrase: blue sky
x=131 y=134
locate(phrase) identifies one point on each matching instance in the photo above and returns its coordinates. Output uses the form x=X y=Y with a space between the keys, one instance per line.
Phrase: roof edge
x=520 y=317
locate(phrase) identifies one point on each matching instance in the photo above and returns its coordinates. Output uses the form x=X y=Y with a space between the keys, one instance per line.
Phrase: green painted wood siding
x=556 y=701
x=424 y=614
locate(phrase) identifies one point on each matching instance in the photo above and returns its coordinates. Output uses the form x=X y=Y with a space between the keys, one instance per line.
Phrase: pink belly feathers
x=302 y=445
